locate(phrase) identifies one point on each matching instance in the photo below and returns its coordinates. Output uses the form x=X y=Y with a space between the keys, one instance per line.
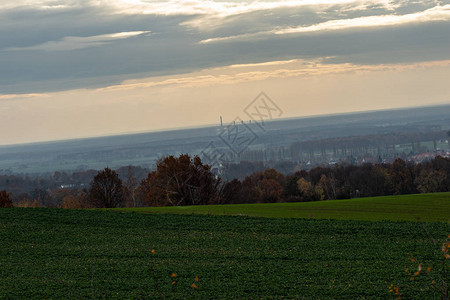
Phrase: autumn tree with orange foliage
x=264 y=186
x=270 y=190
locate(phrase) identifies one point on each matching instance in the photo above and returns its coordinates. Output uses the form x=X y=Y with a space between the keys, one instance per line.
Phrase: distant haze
x=72 y=69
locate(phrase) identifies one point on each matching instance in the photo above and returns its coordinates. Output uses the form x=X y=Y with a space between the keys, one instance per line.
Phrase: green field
x=73 y=254
x=426 y=207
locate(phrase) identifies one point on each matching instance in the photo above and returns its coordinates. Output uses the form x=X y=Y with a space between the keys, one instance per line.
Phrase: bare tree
x=130 y=185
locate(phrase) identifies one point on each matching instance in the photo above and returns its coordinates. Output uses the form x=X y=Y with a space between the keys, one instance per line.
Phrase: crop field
x=426 y=207
x=73 y=254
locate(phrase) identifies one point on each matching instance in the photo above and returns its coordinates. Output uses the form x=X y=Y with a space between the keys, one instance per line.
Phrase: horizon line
x=172 y=129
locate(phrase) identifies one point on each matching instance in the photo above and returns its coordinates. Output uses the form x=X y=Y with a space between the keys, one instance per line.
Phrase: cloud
x=219 y=9
x=21 y=96
x=216 y=14
x=215 y=8
x=40 y=4
x=68 y=37
x=262 y=71
x=437 y=13
x=76 y=42
x=269 y=63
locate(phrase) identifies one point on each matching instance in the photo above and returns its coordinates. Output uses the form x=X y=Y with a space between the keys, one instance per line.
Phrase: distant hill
x=144 y=149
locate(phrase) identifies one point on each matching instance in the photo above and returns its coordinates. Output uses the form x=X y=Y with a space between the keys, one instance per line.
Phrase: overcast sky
x=78 y=68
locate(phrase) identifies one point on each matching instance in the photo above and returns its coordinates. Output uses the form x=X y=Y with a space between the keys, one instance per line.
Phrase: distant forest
x=185 y=180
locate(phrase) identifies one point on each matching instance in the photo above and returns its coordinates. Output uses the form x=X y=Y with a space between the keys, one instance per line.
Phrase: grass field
x=73 y=254
x=427 y=207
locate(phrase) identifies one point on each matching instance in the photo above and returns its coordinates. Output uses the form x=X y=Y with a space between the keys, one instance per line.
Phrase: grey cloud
x=76 y=42
x=174 y=45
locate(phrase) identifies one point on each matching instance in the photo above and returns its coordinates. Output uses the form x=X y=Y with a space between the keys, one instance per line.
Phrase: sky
x=82 y=68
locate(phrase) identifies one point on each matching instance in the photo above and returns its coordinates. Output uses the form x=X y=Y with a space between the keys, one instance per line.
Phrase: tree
x=106 y=190
x=291 y=189
x=130 y=186
x=401 y=177
x=306 y=189
x=5 y=200
x=180 y=181
x=249 y=191
x=72 y=202
x=58 y=195
x=232 y=192
x=310 y=192
x=42 y=196
x=274 y=175
x=431 y=181
x=433 y=176
x=270 y=190
x=328 y=186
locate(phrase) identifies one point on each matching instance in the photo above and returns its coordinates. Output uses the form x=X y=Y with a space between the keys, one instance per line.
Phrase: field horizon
x=433 y=207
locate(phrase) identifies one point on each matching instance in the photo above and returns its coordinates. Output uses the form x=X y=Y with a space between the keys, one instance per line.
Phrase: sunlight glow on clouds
x=438 y=13
x=263 y=71
x=21 y=96
x=77 y=42
x=300 y=87
x=241 y=73
x=214 y=9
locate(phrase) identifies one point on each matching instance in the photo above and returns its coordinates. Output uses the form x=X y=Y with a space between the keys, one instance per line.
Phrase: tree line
x=185 y=180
